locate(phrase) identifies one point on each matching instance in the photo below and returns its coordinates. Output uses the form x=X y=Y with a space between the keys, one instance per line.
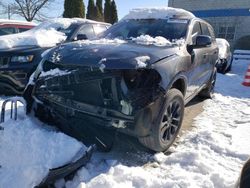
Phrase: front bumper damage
x=107 y=98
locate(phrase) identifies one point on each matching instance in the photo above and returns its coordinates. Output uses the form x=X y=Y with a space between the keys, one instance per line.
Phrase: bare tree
x=29 y=9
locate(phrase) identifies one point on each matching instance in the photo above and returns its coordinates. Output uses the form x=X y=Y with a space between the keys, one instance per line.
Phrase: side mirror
x=203 y=41
x=81 y=37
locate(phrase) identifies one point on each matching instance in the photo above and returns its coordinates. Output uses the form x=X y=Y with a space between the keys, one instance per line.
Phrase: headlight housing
x=22 y=59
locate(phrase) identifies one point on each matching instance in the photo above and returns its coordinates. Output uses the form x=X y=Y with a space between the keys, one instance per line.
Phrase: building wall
x=230 y=18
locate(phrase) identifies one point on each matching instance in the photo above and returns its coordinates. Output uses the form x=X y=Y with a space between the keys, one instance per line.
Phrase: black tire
x=209 y=90
x=165 y=130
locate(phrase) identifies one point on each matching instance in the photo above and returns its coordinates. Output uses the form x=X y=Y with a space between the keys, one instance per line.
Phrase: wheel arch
x=180 y=83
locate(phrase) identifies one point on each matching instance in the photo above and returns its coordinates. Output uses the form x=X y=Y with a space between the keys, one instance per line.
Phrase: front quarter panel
x=173 y=68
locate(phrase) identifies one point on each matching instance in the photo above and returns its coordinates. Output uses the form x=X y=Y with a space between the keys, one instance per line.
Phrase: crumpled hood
x=127 y=55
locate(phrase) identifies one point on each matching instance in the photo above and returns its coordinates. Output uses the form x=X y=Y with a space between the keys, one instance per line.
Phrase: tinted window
x=88 y=31
x=196 y=31
x=68 y=31
x=7 y=30
x=211 y=31
x=99 y=29
x=23 y=29
x=170 y=29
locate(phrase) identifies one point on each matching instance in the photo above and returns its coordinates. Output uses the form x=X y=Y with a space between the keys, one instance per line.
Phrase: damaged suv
x=136 y=79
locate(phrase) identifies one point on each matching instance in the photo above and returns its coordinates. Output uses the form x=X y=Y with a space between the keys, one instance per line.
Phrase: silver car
x=224 y=63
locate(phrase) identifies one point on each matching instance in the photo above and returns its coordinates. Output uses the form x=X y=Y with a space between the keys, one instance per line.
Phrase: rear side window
x=196 y=31
x=211 y=31
x=99 y=29
x=7 y=30
x=23 y=29
x=205 y=30
x=88 y=31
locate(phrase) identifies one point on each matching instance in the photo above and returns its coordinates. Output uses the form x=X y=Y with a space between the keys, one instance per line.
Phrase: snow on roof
x=158 y=13
x=47 y=34
x=4 y=21
x=222 y=42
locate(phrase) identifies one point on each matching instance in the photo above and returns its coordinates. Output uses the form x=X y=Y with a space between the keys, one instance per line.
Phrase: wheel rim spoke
x=171 y=121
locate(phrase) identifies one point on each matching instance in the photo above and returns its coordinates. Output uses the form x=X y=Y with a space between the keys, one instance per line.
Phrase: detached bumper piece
x=69 y=169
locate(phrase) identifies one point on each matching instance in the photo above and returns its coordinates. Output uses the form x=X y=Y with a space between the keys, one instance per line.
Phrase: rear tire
x=166 y=128
x=208 y=92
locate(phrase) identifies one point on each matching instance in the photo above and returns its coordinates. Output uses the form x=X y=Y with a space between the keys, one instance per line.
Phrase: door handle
x=205 y=55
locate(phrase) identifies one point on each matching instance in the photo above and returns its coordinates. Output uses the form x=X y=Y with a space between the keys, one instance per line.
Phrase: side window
x=88 y=31
x=196 y=31
x=23 y=29
x=205 y=30
x=7 y=30
x=211 y=31
x=99 y=29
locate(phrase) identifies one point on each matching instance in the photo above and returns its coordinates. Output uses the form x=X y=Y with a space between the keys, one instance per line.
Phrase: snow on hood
x=115 y=41
x=142 y=61
x=147 y=40
x=54 y=72
x=223 y=46
x=44 y=35
x=158 y=13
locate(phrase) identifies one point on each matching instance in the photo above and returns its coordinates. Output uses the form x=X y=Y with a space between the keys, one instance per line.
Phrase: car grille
x=4 y=61
x=81 y=85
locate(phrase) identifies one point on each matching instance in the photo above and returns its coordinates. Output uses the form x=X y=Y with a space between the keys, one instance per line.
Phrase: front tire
x=166 y=128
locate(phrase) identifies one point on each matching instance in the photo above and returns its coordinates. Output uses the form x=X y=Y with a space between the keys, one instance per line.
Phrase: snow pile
x=28 y=149
x=210 y=155
x=148 y=40
x=158 y=13
x=142 y=61
x=223 y=46
x=47 y=34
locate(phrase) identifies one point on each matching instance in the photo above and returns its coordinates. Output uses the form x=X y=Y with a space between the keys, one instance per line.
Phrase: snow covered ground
x=210 y=155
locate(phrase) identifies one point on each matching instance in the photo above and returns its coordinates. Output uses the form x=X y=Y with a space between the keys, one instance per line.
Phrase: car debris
x=68 y=169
